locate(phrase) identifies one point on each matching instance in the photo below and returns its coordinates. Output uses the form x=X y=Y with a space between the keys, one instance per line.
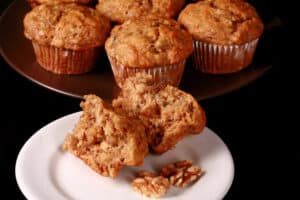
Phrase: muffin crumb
x=105 y=139
x=168 y=113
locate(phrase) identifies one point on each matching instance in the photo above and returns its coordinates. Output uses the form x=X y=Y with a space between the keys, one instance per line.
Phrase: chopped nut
x=182 y=173
x=150 y=184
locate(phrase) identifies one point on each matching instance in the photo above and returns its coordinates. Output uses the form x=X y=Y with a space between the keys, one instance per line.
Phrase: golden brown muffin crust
x=50 y=2
x=122 y=10
x=68 y=26
x=149 y=43
x=223 y=22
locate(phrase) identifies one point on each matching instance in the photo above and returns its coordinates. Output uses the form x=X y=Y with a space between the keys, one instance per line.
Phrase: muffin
x=106 y=140
x=122 y=10
x=34 y=3
x=225 y=32
x=153 y=45
x=168 y=113
x=66 y=37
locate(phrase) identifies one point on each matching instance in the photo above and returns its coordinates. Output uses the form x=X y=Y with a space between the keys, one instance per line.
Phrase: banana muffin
x=225 y=33
x=66 y=37
x=156 y=46
x=106 y=140
x=122 y=10
x=169 y=114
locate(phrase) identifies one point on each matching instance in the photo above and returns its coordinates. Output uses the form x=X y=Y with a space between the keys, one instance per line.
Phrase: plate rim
x=20 y=182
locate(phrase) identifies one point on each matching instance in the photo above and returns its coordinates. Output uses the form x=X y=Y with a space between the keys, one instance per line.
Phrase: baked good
x=225 y=34
x=34 y=3
x=151 y=45
x=66 y=37
x=105 y=139
x=168 y=113
x=122 y=10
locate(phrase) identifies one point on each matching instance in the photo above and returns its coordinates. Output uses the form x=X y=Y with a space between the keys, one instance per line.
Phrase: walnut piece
x=181 y=173
x=150 y=184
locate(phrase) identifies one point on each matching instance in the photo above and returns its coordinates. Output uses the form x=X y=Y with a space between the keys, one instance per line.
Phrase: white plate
x=45 y=172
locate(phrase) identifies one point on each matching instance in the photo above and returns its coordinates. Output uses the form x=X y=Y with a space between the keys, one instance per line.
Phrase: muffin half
x=105 y=139
x=168 y=113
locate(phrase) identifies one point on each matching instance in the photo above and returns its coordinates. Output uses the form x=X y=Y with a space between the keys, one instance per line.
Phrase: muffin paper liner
x=221 y=59
x=168 y=74
x=63 y=61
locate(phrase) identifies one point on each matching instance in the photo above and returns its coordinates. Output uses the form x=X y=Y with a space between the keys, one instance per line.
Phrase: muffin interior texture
x=106 y=140
x=168 y=113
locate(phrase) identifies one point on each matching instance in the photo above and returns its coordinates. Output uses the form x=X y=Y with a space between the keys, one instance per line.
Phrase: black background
x=251 y=120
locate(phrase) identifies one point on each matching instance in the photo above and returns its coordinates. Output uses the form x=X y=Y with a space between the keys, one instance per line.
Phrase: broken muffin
x=168 y=113
x=105 y=139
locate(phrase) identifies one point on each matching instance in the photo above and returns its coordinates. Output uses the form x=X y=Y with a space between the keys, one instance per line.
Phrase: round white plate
x=45 y=172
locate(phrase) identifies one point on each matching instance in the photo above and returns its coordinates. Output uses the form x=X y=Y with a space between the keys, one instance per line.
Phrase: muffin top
x=223 y=22
x=149 y=42
x=122 y=10
x=68 y=26
x=50 y=2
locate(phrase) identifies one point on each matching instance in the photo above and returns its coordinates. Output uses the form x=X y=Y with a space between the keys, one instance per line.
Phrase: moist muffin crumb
x=168 y=113
x=106 y=140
